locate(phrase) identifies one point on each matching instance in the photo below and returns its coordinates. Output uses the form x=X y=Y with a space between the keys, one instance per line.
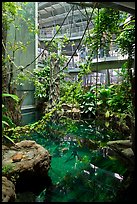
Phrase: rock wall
x=26 y=164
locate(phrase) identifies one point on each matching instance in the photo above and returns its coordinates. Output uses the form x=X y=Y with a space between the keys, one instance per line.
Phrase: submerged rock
x=123 y=150
x=120 y=143
x=88 y=143
x=26 y=163
x=25 y=197
x=8 y=190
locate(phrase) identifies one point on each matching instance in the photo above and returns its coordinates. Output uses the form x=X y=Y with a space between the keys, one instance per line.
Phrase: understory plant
x=6 y=120
x=87 y=102
x=113 y=100
x=41 y=82
x=48 y=79
x=112 y=27
x=69 y=92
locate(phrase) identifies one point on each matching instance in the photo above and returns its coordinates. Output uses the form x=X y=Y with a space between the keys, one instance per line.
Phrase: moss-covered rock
x=8 y=190
x=26 y=163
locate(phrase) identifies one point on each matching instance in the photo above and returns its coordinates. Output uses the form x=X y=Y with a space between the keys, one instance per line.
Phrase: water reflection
x=81 y=170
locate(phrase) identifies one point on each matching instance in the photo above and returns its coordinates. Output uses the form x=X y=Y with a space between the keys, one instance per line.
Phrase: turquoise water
x=80 y=172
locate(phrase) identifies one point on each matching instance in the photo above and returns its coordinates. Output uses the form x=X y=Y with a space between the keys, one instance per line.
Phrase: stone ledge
x=26 y=164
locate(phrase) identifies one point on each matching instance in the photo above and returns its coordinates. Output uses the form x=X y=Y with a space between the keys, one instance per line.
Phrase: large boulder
x=8 y=190
x=26 y=163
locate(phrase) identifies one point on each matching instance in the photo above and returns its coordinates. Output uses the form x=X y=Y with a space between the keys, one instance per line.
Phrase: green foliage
x=103 y=96
x=45 y=77
x=38 y=126
x=104 y=26
x=7 y=169
x=108 y=101
x=85 y=68
x=6 y=121
x=120 y=100
x=17 y=16
x=15 y=97
x=106 y=23
x=126 y=39
x=70 y=91
x=87 y=102
x=9 y=11
x=41 y=81
x=108 y=20
x=21 y=78
x=114 y=98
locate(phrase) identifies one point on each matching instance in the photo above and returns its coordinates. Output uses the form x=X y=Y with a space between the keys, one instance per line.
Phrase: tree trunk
x=54 y=85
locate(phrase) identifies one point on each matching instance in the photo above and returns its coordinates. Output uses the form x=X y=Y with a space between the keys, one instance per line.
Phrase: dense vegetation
x=107 y=111
x=108 y=101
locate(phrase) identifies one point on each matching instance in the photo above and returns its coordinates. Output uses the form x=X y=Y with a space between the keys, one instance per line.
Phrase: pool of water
x=80 y=171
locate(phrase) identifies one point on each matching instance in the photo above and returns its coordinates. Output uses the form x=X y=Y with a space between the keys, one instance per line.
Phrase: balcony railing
x=96 y=78
x=47 y=34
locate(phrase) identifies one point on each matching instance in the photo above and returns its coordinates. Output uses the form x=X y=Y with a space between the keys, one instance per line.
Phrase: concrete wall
x=24 y=57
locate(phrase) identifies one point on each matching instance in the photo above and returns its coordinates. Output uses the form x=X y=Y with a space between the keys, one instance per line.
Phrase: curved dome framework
x=51 y=14
x=72 y=18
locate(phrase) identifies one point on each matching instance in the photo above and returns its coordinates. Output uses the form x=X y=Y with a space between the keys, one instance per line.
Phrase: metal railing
x=100 y=78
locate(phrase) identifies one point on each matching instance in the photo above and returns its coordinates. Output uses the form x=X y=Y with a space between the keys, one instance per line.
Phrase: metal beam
x=76 y=13
x=71 y=38
x=122 y=6
x=56 y=10
x=43 y=5
x=127 y=4
x=115 y=64
x=128 y=7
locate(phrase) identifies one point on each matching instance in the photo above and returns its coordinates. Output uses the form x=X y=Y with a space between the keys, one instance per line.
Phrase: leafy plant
x=87 y=102
x=7 y=169
x=103 y=96
x=15 y=97
x=70 y=91
x=42 y=82
x=106 y=24
x=7 y=121
x=126 y=39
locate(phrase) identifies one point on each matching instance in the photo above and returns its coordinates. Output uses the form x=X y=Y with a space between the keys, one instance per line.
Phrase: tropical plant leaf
x=16 y=98
x=107 y=124
x=107 y=114
x=99 y=102
x=7 y=121
x=90 y=108
x=9 y=139
x=3 y=109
